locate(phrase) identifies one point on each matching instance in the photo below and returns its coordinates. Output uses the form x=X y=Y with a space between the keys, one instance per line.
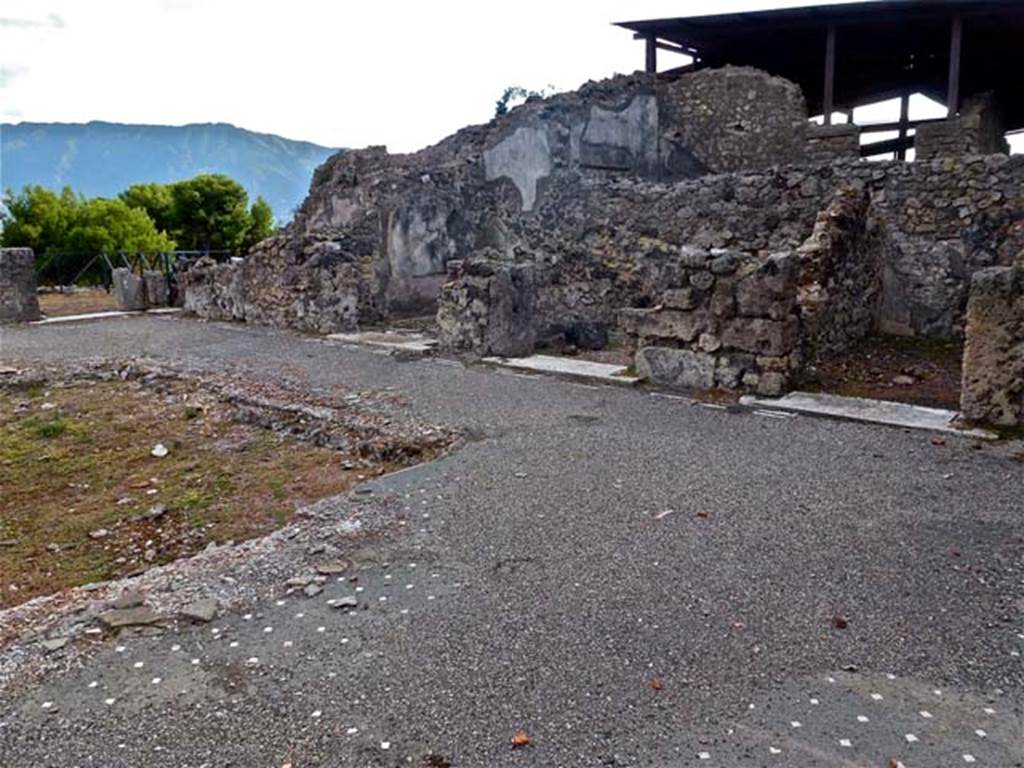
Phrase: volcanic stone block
x=129 y=290
x=763 y=337
x=664 y=323
x=487 y=309
x=993 y=374
x=18 y=300
x=771 y=289
x=676 y=367
x=157 y=290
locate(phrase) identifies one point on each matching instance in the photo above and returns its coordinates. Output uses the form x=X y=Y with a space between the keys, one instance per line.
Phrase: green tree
x=108 y=226
x=261 y=223
x=155 y=200
x=37 y=218
x=210 y=212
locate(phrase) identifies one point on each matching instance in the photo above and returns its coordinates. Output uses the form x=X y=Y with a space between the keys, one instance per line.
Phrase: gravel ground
x=629 y=579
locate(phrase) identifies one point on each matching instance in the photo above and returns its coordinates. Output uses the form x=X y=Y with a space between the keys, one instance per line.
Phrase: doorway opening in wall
x=909 y=369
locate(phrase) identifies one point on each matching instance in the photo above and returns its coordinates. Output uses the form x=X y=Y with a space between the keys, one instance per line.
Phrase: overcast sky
x=404 y=73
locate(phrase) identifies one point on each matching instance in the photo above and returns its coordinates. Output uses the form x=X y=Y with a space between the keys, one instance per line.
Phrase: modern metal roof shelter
x=848 y=55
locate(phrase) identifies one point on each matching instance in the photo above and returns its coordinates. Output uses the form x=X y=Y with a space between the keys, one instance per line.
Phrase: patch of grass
x=281 y=516
x=86 y=465
x=193 y=501
x=51 y=429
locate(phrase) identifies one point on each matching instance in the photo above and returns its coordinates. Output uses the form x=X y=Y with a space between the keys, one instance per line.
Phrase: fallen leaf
x=938 y=440
x=656 y=684
x=840 y=622
x=520 y=739
x=702 y=514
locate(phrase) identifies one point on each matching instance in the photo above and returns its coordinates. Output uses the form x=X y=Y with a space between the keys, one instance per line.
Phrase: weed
x=51 y=429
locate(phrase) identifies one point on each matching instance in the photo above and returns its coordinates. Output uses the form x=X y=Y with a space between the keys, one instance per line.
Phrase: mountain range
x=100 y=159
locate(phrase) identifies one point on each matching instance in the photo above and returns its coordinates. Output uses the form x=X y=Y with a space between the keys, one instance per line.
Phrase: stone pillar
x=129 y=290
x=993 y=374
x=486 y=308
x=18 y=300
x=158 y=292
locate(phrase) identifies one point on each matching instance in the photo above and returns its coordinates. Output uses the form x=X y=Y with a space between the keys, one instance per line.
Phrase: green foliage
x=52 y=429
x=208 y=212
x=37 y=218
x=109 y=226
x=261 y=223
x=155 y=200
x=516 y=93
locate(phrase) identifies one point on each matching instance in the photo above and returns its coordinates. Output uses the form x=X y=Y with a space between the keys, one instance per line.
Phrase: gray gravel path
x=632 y=580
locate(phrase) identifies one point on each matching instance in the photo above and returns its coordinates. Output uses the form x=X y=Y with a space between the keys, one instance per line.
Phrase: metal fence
x=95 y=269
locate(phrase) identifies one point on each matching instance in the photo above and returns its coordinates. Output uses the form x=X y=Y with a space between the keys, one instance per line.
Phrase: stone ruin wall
x=578 y=218
x=977 y=130
x=393 y=222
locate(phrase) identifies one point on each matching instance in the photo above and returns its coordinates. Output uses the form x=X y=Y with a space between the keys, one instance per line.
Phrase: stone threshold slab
x=104 y=315
x=871 y=411
x=582 y=370
x=414 y=343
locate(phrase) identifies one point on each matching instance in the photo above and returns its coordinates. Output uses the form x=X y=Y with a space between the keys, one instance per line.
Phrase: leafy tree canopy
x=37 y=218
x=208 y=212
x=261 y=223
x=154 y=199
x=109 y=226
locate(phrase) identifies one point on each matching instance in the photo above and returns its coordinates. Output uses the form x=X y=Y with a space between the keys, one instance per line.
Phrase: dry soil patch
x=83 y=498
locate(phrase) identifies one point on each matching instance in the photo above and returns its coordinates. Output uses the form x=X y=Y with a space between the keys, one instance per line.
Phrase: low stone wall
x=993 y=372
x=730 y=323
x=743 y=321
x=213 y=291
x=323 y=290
x=18 y=300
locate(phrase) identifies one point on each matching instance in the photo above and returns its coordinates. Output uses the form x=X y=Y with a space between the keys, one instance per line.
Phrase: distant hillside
x=101 y=159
